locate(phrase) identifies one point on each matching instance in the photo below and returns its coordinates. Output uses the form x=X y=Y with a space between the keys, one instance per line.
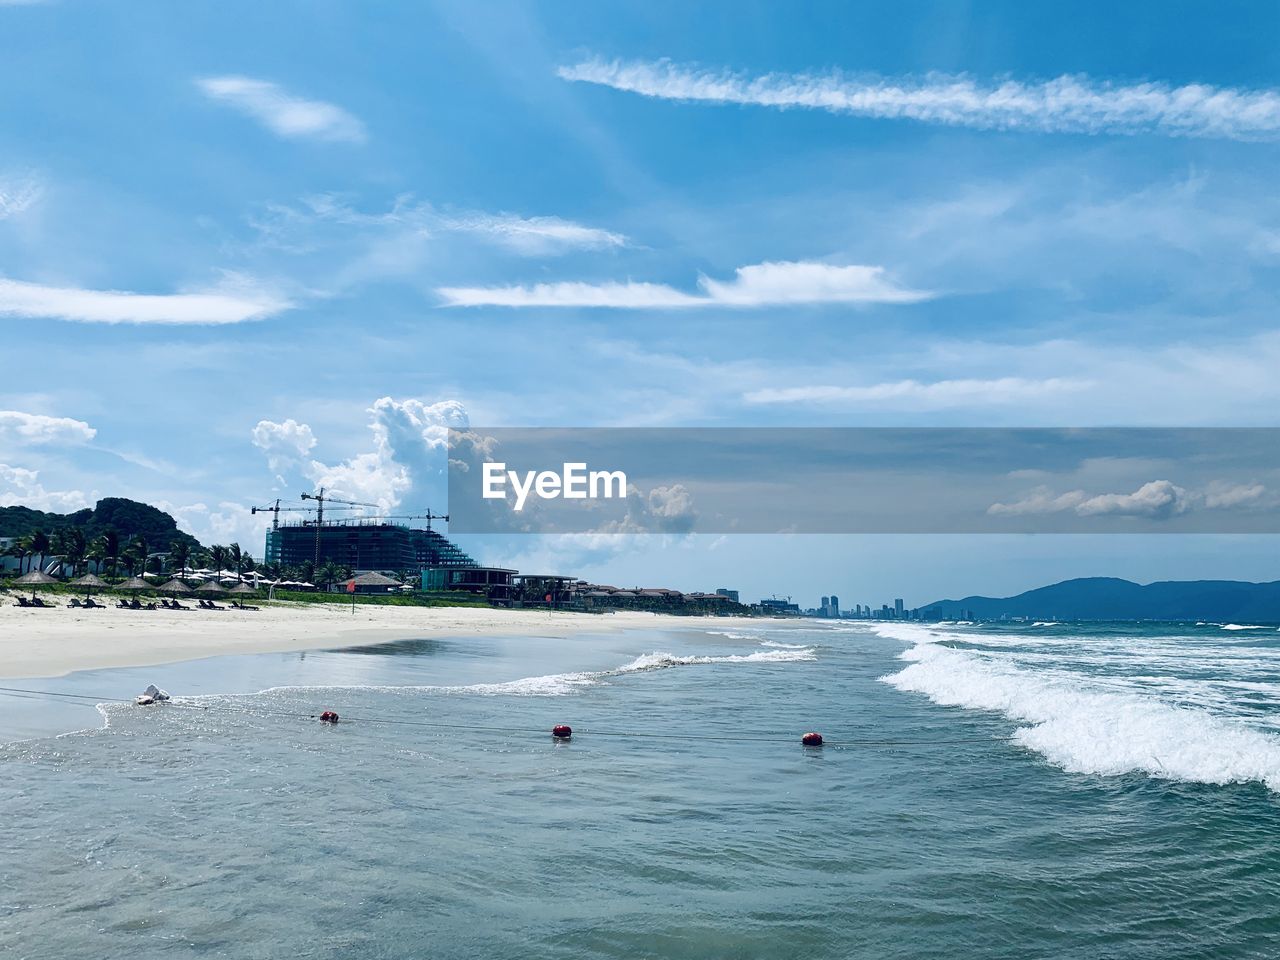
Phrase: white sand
x=53 y=642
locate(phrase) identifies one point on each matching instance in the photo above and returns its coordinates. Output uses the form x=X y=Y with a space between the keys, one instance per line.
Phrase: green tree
x=71 y=546
x=180 y=554
x=106 y=550
x=236 y=558
x=40 y=545
x=218 y=558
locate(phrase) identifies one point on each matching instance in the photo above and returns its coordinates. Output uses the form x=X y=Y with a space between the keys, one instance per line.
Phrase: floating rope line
x=527 y=731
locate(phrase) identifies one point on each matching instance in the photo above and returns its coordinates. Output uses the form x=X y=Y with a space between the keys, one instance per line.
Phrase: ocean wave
x=1045 y=623
x=1244 y=626
x=778 y=644
x=562 y=684
x=1085 y=727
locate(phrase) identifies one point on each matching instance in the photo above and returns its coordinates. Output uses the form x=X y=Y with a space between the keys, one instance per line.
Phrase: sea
x=1010 y=790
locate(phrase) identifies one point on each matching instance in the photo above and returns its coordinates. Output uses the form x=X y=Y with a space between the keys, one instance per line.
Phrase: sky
x=250 y=249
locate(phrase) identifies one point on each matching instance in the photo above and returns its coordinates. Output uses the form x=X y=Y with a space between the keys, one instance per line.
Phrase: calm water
x=1135 y=813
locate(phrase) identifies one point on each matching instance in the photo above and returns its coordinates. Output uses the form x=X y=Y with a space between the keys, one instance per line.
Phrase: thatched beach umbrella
x=373 y=579
x=174 y=586
x=243 y=588
x=36 y=578
x=211 y=588
x=134 y=583
x=89 y=581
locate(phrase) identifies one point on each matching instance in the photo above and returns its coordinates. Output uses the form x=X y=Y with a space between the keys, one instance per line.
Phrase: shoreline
x=59 y=641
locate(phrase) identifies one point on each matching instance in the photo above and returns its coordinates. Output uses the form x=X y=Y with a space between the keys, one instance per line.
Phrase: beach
x=56 y=641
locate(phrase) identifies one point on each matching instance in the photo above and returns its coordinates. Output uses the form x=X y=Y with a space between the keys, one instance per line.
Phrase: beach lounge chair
x=91 y=604
x=41 y=602
x=75 y=603
x=24 y=602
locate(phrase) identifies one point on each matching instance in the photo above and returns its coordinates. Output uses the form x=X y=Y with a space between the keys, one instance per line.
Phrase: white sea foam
x=1087 y=725
x=562 y=684
x=1246 y=626
x=1045 y=623
x=783 y=646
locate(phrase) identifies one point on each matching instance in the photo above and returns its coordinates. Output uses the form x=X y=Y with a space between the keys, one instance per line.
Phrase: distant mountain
x=128 y=517
x=1108 y=598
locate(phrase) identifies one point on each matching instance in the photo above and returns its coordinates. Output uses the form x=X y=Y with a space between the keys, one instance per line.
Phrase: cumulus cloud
x=284 y=443
x=940 y=393
x=22 y=487
x=1063 y=105
x=20 y=428
x=757 y=285
x=1157 y=500
x=406 y=464
x=281 y=112
x=232 y=305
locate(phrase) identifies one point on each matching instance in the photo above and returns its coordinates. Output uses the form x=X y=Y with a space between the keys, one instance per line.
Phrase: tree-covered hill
x=128 y=518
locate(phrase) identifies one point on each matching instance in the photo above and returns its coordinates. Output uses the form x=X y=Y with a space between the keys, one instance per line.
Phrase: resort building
x=363 y=545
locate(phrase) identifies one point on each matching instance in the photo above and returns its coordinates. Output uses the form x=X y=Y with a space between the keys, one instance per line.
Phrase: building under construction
x=363 y=545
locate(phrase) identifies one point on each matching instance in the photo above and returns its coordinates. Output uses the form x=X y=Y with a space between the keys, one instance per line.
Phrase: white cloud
x=284 y=443
x=228 y=523
x=913 y=393
x=1066 y=104
x=408 y=223
x=17 y=427
x=282 y=112
x=232 y=305
x=757 y=285
x=1041 y=500
x=22 y=487
x=534 y=236
x=1229 y=496
x=1159 y=498
x=407 y=462
x=18 y=196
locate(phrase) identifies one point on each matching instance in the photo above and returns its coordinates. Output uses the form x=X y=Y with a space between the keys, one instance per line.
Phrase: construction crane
x=276 y=510
x=321 y=500
x=428 y=516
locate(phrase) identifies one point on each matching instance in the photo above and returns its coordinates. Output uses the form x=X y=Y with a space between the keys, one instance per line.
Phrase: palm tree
x=141 y=550
x=218 y=558
x=327 y=574
x=179 y=553
x=109 y=544
x=18 y=549
x=40 y=545
x=72 y=547
x=235 y=557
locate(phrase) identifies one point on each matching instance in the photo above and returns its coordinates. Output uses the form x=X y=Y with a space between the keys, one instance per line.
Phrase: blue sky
x=248 y=248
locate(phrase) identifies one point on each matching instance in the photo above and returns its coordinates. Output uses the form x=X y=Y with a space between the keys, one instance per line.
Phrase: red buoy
x=328 y=717
x=562 y=731
x=812 y=739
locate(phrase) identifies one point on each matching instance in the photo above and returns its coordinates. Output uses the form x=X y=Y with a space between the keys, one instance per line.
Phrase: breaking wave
x=562 y=684
x=1085 y=725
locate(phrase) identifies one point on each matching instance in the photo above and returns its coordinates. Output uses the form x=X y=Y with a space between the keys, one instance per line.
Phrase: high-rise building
x=897 y=608
x=363 y=545
x=835 y=605
x=726 y=592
